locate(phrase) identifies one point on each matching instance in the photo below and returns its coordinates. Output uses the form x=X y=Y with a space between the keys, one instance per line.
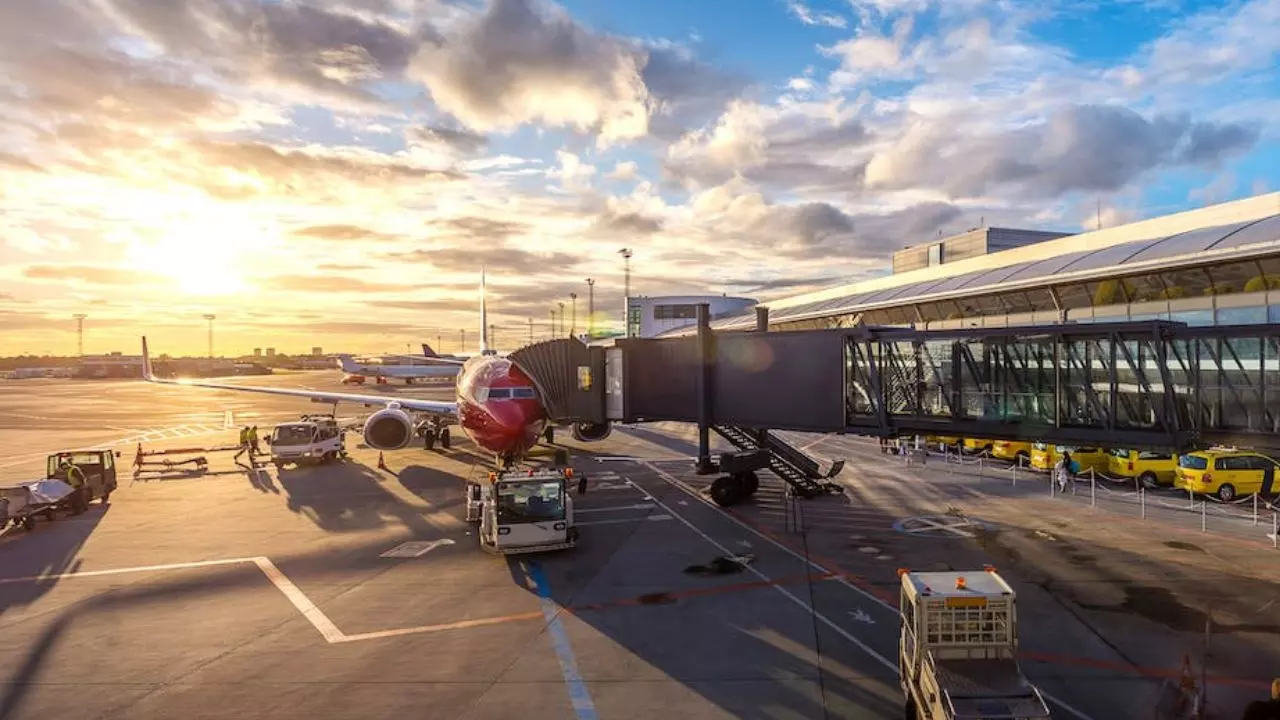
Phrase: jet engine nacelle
x=591 y=432
x=388 y=429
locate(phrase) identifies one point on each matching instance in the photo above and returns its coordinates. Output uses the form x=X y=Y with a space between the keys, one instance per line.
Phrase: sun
x=202 y=256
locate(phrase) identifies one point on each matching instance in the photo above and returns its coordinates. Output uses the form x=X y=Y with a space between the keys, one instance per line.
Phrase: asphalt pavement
x=293 y=593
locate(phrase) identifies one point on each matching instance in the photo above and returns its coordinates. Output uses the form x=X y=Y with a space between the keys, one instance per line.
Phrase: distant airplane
x=357 y=372
x=496 y=404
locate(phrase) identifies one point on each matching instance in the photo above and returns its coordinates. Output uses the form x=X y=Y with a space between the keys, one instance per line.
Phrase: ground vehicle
x=1150 y=468
x=1085 y=457
x=1044 y=456
x=20 y=503
x=99 y=468
x=956 y=652
x=313 y=439
x=1225 y=472
x=974 y=446
x=947 y=440
x=523 y=511
x=1012 y=450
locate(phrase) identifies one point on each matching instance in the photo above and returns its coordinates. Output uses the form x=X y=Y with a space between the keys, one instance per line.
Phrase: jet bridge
x=1155 y=385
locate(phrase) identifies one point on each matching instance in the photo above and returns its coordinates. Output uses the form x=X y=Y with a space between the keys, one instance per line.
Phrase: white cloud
x=626 y=170
x=807 y=16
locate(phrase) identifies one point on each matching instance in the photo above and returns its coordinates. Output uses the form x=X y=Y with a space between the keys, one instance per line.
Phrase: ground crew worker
x=1064 y=471
x=1263 y=709
x=75 y=476
x=244 y=443
x=253 y=441
x=582 y=485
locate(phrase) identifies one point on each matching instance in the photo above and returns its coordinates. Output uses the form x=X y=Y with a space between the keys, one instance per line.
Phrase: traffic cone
x=382 y=464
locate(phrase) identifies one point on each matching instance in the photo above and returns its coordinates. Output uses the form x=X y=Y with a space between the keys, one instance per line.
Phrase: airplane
x=496 y=405
x=357 y=372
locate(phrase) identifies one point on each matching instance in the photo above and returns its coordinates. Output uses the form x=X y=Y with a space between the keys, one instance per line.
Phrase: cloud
x=614 y=222
x=463 y=141
x=1082 y=147
x=17 y=162
x=334 y=283
x=524 y=61
x=625 y=170
x=1208 y=144
x=805 y=15
x=475 y=227
x=89 y=274
x=341 y=233
x=495 y=258
x=303 y=48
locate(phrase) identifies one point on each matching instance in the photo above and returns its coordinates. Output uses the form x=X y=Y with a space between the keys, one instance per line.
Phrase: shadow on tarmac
x=53 y=553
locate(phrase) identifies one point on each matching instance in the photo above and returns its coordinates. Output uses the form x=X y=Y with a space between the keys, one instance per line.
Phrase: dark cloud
x=496 y=259
x=342 y=233
x=285 y=165
x=334 y=283
x=782 y=283
x=471 y=226
x=311 y=48
x=626 y=223
x=1084 y=147
x=1208 y=143
x=92 y=274
x=430 y=306
x=686 y=91
x=463 y=141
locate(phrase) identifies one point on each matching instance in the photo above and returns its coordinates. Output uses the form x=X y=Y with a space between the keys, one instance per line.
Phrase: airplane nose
x=508 y=418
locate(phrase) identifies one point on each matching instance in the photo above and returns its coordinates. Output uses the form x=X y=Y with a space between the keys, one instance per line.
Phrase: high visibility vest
x=244 y=436
x=75 y=476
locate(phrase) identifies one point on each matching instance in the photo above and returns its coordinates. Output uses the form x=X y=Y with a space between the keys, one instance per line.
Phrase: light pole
x=530 y=331
x=626 y=291
x=573 y=314
x=561 y=330
x=591 y=308
x=210 y=318
x=463 y=340
x=553 y=323
x=80 y=333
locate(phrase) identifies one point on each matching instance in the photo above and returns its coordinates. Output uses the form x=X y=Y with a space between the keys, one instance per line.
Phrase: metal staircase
x=786 y=461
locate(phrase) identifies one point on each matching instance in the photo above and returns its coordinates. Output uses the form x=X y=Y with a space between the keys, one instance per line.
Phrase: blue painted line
x=579 y=697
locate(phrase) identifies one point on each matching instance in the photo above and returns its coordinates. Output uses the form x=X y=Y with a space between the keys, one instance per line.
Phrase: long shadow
x=50 y=549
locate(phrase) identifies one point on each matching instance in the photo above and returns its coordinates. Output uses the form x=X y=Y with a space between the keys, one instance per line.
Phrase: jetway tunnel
x=1155 y=385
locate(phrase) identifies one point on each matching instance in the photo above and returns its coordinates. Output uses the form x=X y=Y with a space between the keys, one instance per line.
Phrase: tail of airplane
x=345 y=362
x=427 y=352
x=147 y=373
x=484 y=319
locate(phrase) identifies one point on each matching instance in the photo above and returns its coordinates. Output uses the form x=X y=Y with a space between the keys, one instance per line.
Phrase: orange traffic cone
x=382 y=464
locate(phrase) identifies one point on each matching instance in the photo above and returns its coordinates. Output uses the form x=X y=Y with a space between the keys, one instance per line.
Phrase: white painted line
x=122 y=571
x=637 y=506
x=893 y=666
x=651 y=518
x=415 y=548
x=308 y=609
x=611 y=486
x=930 y=525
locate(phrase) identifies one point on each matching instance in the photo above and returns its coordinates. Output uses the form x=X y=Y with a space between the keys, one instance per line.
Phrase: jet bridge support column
x=706 y=356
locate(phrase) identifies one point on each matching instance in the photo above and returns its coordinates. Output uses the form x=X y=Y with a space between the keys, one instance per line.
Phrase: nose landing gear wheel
x=444 y=438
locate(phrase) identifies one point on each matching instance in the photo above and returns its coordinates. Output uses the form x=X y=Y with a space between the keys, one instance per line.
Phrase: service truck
x=957 y=653
x=312 y=439
x=523 y=511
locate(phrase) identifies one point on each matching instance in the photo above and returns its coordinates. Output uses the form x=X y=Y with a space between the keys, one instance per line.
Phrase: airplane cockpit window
x=499 y=393
x=292 y=435
x=523 y=393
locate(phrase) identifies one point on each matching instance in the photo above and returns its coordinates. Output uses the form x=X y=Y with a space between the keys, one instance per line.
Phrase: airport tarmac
x=292 y=593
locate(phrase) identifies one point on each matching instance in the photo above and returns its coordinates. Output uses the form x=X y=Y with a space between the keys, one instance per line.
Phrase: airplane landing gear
x=549 y=435
x=433 y=434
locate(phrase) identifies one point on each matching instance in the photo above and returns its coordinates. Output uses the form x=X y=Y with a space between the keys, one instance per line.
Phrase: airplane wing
x=431 y=407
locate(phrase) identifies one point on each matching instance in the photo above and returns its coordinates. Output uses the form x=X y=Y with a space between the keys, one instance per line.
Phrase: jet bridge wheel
x=911 y=713
x=727 y=490
x=444 y=438
x=750 y=483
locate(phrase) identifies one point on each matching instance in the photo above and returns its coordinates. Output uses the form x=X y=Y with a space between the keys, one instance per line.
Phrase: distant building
x=271 y=352
x=649 y=316
x=970 y=244
x=317 y=351
x=257 y=352
x=113 y=365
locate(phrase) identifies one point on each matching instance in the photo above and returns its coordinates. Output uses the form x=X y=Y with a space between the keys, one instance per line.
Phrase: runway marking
x=579 y=696
x=892 y=666
x=415 y=549
x=650 y=518
x=614 y=508
x=322 y=623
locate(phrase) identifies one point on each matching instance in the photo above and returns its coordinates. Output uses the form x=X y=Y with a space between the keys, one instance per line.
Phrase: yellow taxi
x=973 y=446
x=948 y=440
x=1225 y=472
x=1150 y=468
x=1012 y=450
x=1043 y=456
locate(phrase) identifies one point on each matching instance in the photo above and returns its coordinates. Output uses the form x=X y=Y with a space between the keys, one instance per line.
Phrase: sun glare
x=202 y=256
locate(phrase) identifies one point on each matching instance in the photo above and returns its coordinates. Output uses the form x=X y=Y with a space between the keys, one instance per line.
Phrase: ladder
x=788 y=462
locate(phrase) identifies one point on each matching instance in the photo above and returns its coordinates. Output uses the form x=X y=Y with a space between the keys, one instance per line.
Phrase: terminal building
x=651 y=316
x=1217 y=265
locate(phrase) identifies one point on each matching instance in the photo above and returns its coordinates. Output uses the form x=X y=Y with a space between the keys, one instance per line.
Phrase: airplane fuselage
x=498 y=407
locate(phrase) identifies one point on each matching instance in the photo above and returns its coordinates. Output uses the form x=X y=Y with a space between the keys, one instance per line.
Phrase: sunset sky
x=335 y=172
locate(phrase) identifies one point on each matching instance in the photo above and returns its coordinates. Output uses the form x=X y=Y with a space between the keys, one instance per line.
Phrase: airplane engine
x=591 y=432
x=389 y=429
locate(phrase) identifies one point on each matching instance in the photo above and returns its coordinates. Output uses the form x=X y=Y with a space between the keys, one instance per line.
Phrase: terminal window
x=675 y=312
